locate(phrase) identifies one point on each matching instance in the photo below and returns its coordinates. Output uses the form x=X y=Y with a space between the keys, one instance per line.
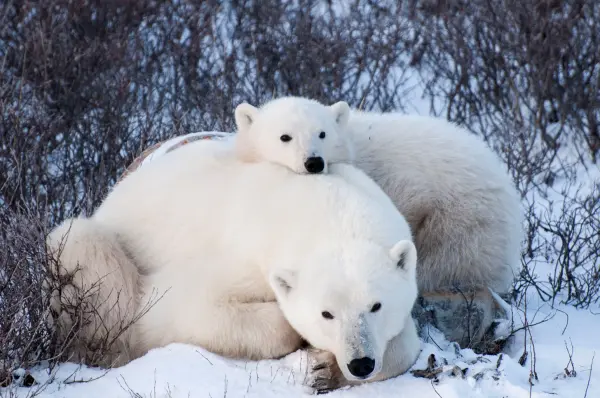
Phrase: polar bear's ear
x=405 y=254
x=245 y=115
x=341 y=112
x=283 y=281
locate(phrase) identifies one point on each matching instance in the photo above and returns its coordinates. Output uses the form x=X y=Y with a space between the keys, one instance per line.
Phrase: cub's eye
x=327 y=315
x=376 y=307
x=285 y=138
x=322 y=135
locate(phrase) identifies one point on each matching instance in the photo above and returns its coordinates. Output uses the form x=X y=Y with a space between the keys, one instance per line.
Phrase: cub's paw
x=324 y=374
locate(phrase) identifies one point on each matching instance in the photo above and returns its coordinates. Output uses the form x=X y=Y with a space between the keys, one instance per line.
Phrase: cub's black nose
x=314 y=164
x=361 y=367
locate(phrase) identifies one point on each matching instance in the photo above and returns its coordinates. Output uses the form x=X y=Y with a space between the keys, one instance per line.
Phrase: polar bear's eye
x=327 y=315
x=376 y=307
x=285 y=138
x=322 y=135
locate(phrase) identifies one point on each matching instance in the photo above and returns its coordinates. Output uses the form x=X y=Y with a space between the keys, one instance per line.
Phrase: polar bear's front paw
x=324 y=373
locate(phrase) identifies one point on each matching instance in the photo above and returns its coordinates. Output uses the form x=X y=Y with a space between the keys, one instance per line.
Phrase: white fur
x=260 y=131
x=243 y=251
x=461 y=204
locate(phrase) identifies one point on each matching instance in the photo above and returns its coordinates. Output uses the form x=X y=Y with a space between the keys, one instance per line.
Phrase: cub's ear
x=405 y=254
x=244 y=116
x=282 y=282
x=341 y=112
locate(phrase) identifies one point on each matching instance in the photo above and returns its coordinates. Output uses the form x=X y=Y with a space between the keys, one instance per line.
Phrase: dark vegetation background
x=86 y=85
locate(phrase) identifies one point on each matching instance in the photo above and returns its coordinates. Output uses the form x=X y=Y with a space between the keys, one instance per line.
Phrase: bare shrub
x=35 y=292
x=524 y=75
x=565 y=234
x=88 y=84
x=531 y=62
x=25 y=334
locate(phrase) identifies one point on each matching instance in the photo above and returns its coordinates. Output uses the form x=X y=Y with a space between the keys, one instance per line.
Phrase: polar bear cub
x=302 y=135
x=252 y=257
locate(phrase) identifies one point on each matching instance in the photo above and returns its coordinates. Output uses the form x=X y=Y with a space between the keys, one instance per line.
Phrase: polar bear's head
x=298 y=133
x=353 y=303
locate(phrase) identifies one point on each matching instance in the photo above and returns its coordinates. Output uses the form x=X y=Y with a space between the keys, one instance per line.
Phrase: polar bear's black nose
x=361 y=367
x=314 y=164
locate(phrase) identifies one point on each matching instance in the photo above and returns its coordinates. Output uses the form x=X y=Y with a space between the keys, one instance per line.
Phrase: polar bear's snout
x=362 y=354
x=314 y=164
x=361 y=367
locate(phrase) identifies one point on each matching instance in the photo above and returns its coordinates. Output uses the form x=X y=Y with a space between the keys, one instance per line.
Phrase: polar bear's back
x=424 y=162
x=199 y=198
x=455 y=192
x=429 y=148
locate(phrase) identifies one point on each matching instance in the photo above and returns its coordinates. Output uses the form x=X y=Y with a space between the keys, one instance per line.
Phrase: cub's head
x=352 y=303
x=298 y=133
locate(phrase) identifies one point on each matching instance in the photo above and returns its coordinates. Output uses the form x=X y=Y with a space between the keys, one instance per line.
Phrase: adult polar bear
x=243 y=252
x=461 y=204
